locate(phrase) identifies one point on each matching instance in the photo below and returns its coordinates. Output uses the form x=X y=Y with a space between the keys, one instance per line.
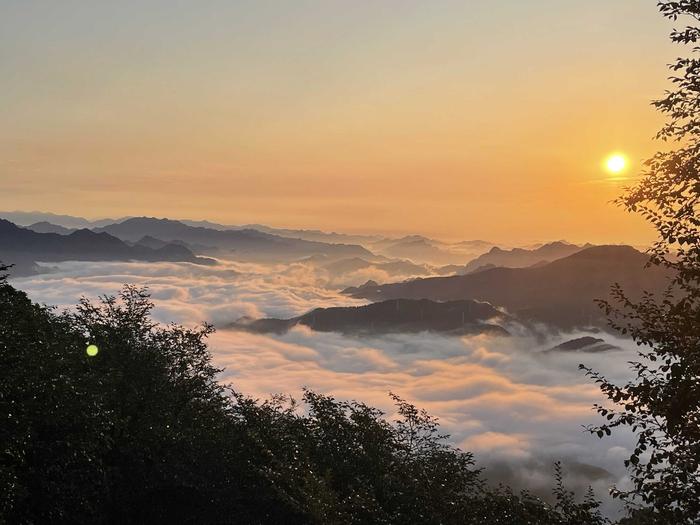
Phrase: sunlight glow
x=616 y=163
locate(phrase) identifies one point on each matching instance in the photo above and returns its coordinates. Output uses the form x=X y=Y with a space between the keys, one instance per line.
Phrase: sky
x=455 y=119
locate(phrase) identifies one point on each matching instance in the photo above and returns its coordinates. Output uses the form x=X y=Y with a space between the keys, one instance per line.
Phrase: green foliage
x=140 y=432
x=662 y=403
x=143 y=432
x=343 y=462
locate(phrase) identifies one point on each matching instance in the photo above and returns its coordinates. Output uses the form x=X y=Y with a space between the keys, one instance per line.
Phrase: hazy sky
x=451 y=118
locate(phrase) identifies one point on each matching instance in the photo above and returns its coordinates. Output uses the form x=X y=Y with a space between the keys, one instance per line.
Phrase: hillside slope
x=561 y=293
x=393 y=316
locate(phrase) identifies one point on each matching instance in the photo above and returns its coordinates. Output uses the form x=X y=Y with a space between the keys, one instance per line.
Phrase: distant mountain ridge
x=70 y=222
x=25 y=218
x=47 y=227
x=417 y=248
x=390 y=266
x=316 y=235
x=464 y=317
x=24 y=247
x=521 y=257
x=243 y=244
x=561 y=293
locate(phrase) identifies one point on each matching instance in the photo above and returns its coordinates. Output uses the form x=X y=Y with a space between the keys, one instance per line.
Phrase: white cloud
x=189 y=293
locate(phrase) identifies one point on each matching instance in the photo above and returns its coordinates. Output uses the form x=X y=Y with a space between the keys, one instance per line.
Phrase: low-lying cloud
x=515 y=406
x=190 y=293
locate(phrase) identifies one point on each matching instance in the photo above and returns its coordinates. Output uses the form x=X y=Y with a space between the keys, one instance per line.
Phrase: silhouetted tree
x=141 y=432
x=662 y=403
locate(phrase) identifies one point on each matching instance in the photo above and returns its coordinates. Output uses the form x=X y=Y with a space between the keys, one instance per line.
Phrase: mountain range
x=419 y=249
x=561 y=293
x=246 y=245
x=24 y=248
x=555 y=284
x=70 y=222
x=521 y=257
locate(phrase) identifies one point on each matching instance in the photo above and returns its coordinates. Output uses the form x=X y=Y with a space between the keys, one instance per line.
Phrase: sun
x=616 y=163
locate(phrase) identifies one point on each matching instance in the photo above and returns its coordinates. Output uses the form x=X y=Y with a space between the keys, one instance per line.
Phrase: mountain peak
x=609 y=251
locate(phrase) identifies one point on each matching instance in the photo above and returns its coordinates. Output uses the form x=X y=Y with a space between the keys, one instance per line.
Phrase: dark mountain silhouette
x=242 y=244
x=561 y=293
x=47 y=227
x=24 y=247
x=398 y=315
x=361 y=291
x=522 y=258
x=584 y=344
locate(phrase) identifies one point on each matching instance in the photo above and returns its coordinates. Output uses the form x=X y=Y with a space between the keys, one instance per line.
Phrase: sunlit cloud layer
x=515 y=406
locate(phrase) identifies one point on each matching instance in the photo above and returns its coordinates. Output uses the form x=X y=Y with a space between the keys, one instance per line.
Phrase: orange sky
x=452 y=119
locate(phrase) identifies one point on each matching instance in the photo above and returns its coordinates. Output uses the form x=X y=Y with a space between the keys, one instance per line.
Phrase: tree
x=662 y=403
x=141 y=432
